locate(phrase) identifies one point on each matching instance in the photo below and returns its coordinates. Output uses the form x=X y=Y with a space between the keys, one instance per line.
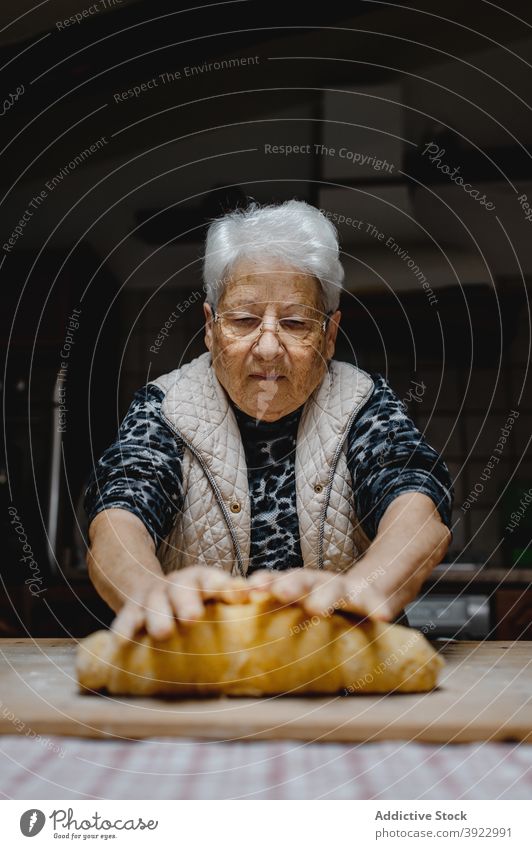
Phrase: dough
x=262 y=647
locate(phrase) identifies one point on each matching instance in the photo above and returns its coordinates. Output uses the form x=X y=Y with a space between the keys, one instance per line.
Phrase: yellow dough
x=262 y=647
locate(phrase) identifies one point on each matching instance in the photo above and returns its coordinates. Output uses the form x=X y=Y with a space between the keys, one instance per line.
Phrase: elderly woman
x=265 y=458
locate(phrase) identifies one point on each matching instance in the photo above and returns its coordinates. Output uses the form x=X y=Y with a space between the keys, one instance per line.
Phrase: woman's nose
x=268 y=342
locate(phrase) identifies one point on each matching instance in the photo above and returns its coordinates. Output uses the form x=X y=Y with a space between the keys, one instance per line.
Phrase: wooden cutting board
x=485 y=693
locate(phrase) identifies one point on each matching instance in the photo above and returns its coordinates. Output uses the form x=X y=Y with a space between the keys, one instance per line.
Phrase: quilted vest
x=213 y=527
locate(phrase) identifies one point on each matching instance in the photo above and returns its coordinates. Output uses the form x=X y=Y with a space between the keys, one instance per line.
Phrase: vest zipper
x=331 y=474
x=217 y=492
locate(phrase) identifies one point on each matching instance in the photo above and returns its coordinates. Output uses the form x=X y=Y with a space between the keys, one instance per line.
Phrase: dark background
x=121 y=238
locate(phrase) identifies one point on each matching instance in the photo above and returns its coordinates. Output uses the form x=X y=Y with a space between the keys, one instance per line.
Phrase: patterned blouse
x=386 y=456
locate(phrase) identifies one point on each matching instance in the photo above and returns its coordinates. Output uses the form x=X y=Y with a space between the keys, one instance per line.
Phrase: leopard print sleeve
x=387 y=455
x=142 y=470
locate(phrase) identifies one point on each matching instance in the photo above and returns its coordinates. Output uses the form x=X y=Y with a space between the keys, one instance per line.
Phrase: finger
x=261 y=574
x=262 y=579
x=160 y=622
x=366 y=601
x=380 y=609
x=356 y=598
x=215 y=583
x=186 y=598
x=294 y=585
x=324 y=598
x=128 y=621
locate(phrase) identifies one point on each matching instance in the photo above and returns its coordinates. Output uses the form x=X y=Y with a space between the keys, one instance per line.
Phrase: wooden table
x=485 y=693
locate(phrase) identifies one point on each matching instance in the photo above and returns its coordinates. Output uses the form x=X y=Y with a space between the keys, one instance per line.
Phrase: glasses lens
x=301 y=330
x=238 y=326
x=292 y=329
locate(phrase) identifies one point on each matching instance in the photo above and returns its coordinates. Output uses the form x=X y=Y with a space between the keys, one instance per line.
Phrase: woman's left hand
x=324 y=592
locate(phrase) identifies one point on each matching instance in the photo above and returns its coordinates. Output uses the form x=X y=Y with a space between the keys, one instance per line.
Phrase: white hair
x=293 y=231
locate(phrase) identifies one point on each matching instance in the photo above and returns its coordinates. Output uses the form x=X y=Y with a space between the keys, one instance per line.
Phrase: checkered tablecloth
x=177 y=768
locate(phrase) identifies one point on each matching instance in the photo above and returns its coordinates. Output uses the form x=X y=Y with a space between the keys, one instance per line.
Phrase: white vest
x=213 y=528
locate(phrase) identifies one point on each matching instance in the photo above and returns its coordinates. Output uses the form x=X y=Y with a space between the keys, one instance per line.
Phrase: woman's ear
x=208 y=313
x=331 y=333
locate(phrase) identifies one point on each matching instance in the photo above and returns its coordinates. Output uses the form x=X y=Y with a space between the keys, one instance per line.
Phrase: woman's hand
x=159 y=601
x=324 y=592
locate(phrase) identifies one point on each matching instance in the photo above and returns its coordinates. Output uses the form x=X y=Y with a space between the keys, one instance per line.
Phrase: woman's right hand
x=161 y=600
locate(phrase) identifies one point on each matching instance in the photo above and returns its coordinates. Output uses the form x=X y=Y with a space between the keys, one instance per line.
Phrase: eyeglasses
x=298 y=330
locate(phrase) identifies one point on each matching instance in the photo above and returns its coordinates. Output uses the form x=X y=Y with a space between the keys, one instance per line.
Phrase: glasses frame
x=277 y=321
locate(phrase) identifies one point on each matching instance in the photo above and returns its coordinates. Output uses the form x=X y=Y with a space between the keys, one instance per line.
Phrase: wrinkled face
x=267 y=376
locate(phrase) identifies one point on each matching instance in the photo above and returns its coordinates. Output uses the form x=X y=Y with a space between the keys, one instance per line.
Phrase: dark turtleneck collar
x=264 y=428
